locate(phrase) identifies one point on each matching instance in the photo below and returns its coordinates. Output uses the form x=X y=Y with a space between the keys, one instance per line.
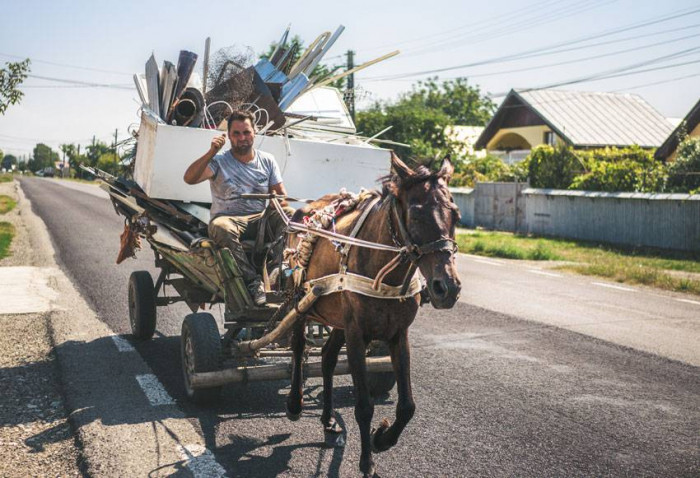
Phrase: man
x=241 y=170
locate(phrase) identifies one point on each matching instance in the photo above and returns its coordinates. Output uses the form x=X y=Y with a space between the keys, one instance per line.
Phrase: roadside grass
x=5 y=178
x=7 y=232
x=7 y=204
x=648 y=266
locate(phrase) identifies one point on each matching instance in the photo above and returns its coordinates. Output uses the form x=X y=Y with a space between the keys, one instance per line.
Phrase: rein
x=406 y=249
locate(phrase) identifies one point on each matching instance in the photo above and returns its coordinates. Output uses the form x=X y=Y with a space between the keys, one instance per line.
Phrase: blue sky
x=119 y=36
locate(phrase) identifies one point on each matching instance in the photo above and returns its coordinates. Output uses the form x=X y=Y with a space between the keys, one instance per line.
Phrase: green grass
x=5 y=178
x=7 y=232
x=7 y=204
x=653 y=267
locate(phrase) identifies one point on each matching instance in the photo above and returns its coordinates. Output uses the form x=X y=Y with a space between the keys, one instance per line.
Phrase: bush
x=684 y=172
x=472 y=169
x=553 y=168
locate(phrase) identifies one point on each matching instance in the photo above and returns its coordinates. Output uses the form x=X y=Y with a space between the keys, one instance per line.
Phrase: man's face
x=242 y=135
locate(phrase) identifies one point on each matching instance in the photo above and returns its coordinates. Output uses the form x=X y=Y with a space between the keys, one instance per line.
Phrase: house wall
x=667 y=221
x=532 y=134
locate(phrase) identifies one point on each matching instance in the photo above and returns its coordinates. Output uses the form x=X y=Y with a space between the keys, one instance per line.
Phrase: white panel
x=310 y=168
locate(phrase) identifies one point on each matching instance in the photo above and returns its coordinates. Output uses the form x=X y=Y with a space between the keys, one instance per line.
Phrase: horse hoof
x=376 y=434
x=292 y=416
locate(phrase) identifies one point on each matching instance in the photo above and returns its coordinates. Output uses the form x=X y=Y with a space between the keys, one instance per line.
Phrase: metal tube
x=285 y=325
x=279 y=372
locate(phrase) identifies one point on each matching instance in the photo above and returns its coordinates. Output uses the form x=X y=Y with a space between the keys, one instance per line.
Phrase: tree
x=42 y=157
x=419 y=118
x=10 y=78
x=94 y=151
x=464 y=104
x=8 y=161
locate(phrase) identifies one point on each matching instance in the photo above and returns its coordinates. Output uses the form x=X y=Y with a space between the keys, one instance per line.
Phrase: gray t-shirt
x=232 y=177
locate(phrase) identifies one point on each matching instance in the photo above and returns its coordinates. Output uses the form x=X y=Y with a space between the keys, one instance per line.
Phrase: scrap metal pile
x=176 y=95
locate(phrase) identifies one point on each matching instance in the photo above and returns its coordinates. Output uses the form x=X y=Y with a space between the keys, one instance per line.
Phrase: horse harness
x=406 y=249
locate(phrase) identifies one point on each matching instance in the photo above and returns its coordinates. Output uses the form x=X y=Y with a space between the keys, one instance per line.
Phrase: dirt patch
x=35 y=436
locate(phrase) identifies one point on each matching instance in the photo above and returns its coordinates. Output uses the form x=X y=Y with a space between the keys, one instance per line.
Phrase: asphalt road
x=523 y=377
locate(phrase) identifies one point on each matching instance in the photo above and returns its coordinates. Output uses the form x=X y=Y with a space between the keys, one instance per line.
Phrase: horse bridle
x=411 y=251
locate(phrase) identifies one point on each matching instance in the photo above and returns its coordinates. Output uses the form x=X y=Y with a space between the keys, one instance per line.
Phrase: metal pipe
x=285 y=325
x=279 y=372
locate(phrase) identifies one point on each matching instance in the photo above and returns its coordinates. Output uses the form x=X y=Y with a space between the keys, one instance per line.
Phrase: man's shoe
x=257 y=292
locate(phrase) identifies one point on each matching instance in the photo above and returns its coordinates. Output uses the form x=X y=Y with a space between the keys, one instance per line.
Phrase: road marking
x=610 y=286
x=122 y=344
x=550 y=274
x=154 y=390
x=688 y=301
x=200 y=461
x=491 y=263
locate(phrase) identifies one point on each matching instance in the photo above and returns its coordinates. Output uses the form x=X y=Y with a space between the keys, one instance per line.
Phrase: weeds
x=647 y=266
x=7 y=204
x=7 y=232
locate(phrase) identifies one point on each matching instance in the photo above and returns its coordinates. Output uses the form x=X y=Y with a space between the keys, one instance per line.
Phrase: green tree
x=419 y=118
x=463 y=103
x=10 y=78
x=109 y=162
x=95 y=151
x=8 y=161
x=43 y=157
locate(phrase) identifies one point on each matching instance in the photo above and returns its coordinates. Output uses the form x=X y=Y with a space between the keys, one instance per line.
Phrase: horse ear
x=447 y=169
x=403 y=171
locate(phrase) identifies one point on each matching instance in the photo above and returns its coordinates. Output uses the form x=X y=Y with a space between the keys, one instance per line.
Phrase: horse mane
x=420 y=174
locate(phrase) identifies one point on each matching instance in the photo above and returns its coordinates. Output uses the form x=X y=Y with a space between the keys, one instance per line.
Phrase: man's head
x=241 y=132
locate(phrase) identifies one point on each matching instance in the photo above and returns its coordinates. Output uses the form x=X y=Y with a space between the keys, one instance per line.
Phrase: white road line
x=122 y=344
x=200 y=462
x=688 y=301
x=610 y=286
x=154 y=390
x=550 y=274
x=491 y=263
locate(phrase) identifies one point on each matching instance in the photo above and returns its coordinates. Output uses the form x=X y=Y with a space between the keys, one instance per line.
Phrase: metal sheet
x=153 y=83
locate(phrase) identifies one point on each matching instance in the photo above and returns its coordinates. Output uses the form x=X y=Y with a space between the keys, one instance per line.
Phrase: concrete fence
x=668 y=221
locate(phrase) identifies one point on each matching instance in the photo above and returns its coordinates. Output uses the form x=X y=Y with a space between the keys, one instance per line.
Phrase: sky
x=643 y=47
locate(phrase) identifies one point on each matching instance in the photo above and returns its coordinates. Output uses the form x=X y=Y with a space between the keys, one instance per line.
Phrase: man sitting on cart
x=240 y=170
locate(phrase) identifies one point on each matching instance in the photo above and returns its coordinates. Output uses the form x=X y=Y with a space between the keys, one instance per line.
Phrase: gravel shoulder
x=35 y=436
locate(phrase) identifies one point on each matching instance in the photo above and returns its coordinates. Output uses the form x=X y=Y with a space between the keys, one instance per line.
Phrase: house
x=464 y=137
x=582 y=120
x=690 y=126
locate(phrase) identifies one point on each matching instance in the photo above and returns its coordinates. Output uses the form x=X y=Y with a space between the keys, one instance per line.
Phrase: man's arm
x=280 y=190
x=199 y=170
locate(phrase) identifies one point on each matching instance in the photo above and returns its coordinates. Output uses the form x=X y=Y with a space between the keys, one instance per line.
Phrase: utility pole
x=116 y=158
x=351 y=84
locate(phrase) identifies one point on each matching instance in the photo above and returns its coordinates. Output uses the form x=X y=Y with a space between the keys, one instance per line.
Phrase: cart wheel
x=142 y=305
x=380 y=383
x=200 y=350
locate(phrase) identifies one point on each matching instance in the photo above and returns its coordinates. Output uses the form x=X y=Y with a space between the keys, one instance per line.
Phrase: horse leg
x=295 y=401
x=329 y=359
x=386 y=436
x=364 y=405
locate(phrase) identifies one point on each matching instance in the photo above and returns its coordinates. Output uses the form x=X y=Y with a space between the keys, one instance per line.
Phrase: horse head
x=428 y=217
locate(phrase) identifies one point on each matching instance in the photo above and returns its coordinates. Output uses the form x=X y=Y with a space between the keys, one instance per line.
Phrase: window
x=550 y=138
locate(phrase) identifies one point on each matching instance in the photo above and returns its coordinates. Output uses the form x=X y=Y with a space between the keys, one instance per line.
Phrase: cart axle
x=278 y=372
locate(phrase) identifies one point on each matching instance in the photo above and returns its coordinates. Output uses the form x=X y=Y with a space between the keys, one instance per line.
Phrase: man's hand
x=217 y=143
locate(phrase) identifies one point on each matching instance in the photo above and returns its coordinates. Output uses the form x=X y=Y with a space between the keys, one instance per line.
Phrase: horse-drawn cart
x=201 y=274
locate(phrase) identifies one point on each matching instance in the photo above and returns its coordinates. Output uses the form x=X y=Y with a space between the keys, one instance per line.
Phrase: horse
x=415 y=210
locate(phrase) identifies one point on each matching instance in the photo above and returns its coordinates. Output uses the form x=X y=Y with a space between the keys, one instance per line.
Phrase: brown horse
x=415 y=210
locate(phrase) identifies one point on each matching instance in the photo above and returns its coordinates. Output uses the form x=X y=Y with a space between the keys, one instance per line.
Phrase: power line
x=64 y=65
x=661 y=82
x=81 y=83
x=537 y=51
